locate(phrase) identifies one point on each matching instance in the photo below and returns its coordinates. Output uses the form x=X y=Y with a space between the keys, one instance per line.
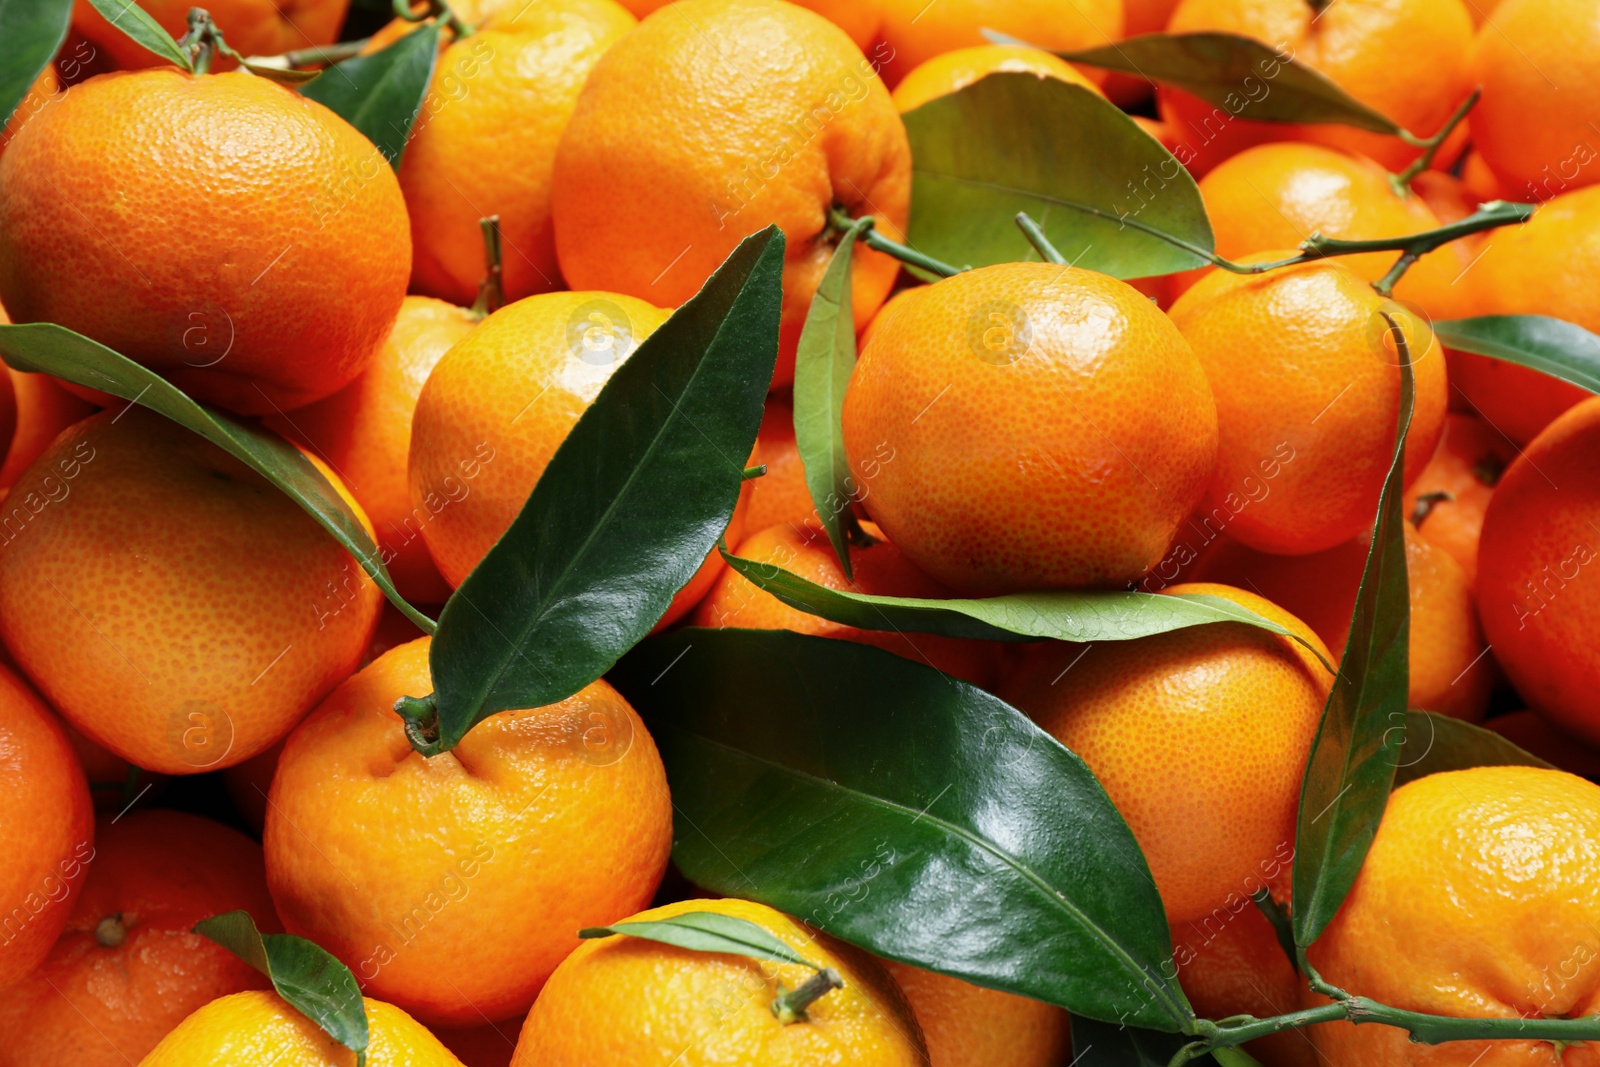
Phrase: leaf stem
x=439 y=9
x=307 y=57
x=879 y=243
x=1038 y=240
x=751 y=473
x=1430 y=145
x=421 y=718
x=491 y=290
x=790 y=1005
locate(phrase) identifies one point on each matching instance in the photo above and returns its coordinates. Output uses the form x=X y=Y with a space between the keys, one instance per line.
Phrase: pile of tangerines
x=202 y=685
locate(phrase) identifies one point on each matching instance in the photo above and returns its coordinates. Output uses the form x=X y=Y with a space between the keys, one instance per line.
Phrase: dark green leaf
x=1082 y=615
x=624 y=514
x=1098 y=1044
x=1352 y=763
x=909 y=813
x=1554 y=346
x=1248 y=79
x=1063 y=154
x=59 y=351
x=1234 y=1057
x=707 y=931
x=34 y=29
x=822 y=366
x=143 y=30
x=1435 y=743
x=314 y=983
x=381 y=94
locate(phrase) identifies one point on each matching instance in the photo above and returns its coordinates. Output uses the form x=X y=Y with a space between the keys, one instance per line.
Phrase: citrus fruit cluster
x=971 y=533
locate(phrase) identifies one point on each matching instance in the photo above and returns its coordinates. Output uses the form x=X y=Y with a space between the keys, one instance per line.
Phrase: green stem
x=491 y=290
x=421 y=718
x=790 y=1006
x=307 y=57
x=1430 y=145
x=840 y=220
x=439 y=9
x=1038 y=240
x=758 y=471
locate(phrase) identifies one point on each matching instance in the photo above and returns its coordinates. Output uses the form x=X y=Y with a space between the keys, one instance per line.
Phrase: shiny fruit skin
x=1230 y=963
x=952 y=71
x=1028 y=426
x=780 y=495
x=1538 y=62
x=1546 y=266
x=860 y=19
x=915 y=31
x=1407 y=59
x=46 y=829
x=40 y=94
x=1200 y=737
x=625 y=1002
x=1307 y=387
x=1536 y=595
x=1508 y=856
x=970 y=1026
x=260 y=1029
x=1468 y=465
x=180 y=610
x=453 y=886
x=251 y=27
x=234 y=236
x=488 y=145
x=740 y=84
x=735 y=602
x=100 y=1002
x=364 y=433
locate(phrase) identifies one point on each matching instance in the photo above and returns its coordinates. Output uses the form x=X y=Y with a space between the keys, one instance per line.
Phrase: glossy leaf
x=625 y=513
x=1435 y=743
x=59 y=351
x=1106 y=1044
x=314 y=983
x=822 y=366
x=1243 y=76
x=707 y=931
x=1554 y=346
x=34 y=30
x=381 y=94
x=1063 y=154
x=1081 y=615
x=906 y=812
x=1352 y=763
x=142 y=28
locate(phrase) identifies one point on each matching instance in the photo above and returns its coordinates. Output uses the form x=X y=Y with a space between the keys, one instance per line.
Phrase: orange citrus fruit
x=1406 y=59
x=969 y=1026
x=1535 y=589
x=1503 y=929
x=512 y=85
x=1468 y=465
x=128 y=969
x=711 y=121
x=952 y=71
x=1147 y=16
x=1307 y=383
x=540 y=822
x=914 y=31
x=251 y=27
x=1200 y=737
x=260 y=1029
x=1025 y=426
x=858 y=18
x=40 y=93
x=240 y=239
x=1542 y=267
x=1450 y=672
x=1538 y=62
x=46 y=829
x=881 y=569
x=781 y=494
x=364 y=433
x=177 y=608
x=699 y=1009
x=1230 y=963
x=43 y=409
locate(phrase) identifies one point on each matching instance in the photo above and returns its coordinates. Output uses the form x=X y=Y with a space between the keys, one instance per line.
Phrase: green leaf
x=906 y=812
x=637 y=494
x=1098 y=1044
x=1352 y=763
x=1063 y=154
x=1058 y=614
x=1554 y=346
x=381 y=94
x=707 y=931
x=822 y=366
x=142 y=28
x=59 y=351
x=1247 y=78
x=1437 y=743
x=34 y=31
x=314 y=983
x=1234 y=1057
